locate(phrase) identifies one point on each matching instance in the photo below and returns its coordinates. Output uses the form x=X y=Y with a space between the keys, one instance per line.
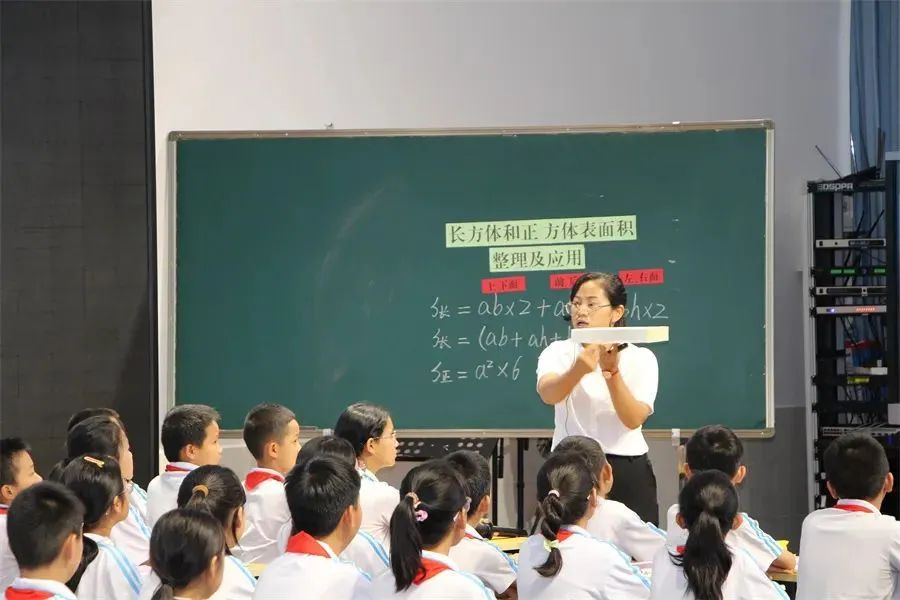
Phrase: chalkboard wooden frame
x=167 y=332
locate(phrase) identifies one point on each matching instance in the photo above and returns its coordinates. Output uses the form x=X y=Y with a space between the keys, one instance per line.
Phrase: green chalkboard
x=314 y=269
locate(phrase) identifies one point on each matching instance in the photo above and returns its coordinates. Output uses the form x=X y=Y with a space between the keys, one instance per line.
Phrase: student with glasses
x=604 y=392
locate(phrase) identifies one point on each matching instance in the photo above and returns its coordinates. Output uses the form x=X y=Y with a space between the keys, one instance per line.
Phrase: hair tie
x=200 y=488
x=415 y=499
x=553 y=493
x=421 y=515
x=94 y=461
x=550 y=544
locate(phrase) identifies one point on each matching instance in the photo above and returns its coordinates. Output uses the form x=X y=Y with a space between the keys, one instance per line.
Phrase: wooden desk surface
x=509 y=544
x=782 y=577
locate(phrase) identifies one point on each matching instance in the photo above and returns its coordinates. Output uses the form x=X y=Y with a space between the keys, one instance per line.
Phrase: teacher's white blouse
x=588 y=410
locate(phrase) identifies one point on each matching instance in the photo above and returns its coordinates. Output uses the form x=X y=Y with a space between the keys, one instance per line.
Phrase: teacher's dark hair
x=612 y=286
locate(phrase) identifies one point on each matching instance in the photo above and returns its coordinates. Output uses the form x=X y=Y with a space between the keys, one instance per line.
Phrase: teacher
x=603 y=392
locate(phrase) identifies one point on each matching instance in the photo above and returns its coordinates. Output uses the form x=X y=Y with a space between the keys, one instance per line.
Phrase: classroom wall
x=230 y=65
x=76 y=327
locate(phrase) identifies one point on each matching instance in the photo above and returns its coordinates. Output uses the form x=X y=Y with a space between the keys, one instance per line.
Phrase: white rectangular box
x=620 y=335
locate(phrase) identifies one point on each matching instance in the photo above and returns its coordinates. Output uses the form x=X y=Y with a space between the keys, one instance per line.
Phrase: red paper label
x=503 y=285
x=643 y=277
x=563 y=281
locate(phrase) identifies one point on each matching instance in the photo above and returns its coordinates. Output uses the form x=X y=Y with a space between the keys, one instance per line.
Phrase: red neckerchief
x=4 y=510
x=254 y=478
x=429 y=569
x=176 y=469
x=20 y=594
x=303 y=543
x=563 y=534
x=853 y=508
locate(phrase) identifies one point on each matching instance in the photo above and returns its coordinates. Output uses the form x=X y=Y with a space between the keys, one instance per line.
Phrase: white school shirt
x=364 y=551
x=849 y=552
x=9 y=569
x=590 y=569
x=451 y=584
x=162 y=492
x=617 y=524
x=745 y=580
x=132 y=536
x=748 y=536
x=378 y=501
x=588 y=410
x=110 y=576
x=484 y=560
x=58 y=589
x=237 y=583
x=266 y=512
x=294 y=575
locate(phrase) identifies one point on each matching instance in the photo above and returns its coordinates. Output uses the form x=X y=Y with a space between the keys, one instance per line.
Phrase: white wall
x=231 y=65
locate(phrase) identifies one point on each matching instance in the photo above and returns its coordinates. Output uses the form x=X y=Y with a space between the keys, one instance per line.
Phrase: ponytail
x=433 y=496
x=564 y=486
x=165 y=591
x=89 y=552
x=216 y=490
x=708 y=504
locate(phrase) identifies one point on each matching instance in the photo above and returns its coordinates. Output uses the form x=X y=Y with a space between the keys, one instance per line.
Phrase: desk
x=510 y=545
x=783 y=577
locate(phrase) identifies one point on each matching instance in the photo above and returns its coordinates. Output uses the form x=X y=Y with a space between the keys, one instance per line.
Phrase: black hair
x=86 y=413
x=328 y=445
x=435 y=492
x=183 y=425
x=361 y=422
x=856 y=466
x=100 y=435
x=182 y=544
x=570 y=479
x=612 y=286
x=96 y=480
x=9 y=447
x=588 y=449
x=221 y=494
x=475 y=472
x=319 y=491
x=266 y=423
x=708 y=503
x=714 y=447
x=40 y=519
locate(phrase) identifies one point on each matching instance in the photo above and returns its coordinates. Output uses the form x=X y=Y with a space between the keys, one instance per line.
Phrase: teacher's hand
x=609 y=358
x=589 y=358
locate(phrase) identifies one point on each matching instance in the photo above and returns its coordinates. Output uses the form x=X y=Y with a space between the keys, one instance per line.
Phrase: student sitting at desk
x=851 y=550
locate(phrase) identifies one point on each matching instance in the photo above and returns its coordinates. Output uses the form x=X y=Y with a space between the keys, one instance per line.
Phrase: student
x=473 y=553
x=851 y=550
x=705 y=567
x=717 y=447
x=105 y=573
x=564 y=560
x=16 y=473
x=132 y=535
x=44 y=527
x=190 y=439
x=364 y=550
x=272 y=435
x=429 y=520
x=218 y=491
x=370 y=430
x=614 y=522
x=323 y=496
x=103 y=435
x=187 y=553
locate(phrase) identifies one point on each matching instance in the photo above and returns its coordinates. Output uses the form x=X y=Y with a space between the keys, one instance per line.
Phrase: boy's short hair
x=183 y=425
x=587 y=448
x=9 y=448
x=87 y=413
x=856 y=466
x=476 y=475
x=714 y=447
x=39 y=520
x=328 y=445
x=265 y=423
x=319 y=491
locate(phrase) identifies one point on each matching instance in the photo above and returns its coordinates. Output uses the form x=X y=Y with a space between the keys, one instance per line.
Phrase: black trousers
x=634 y=485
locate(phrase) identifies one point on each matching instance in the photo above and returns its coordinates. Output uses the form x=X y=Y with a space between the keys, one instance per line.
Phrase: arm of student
x=555 y=382
x=786 y=561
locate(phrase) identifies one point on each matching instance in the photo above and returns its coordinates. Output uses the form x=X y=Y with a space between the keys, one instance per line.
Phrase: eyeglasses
x=391 y=435
x=590 y=307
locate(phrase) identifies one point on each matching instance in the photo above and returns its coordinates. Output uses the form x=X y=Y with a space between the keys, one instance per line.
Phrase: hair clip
x=421 y=515
x=553 y=493
x=200 y=488
x=94 y=461
x=550 y=544
x=415 y=499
